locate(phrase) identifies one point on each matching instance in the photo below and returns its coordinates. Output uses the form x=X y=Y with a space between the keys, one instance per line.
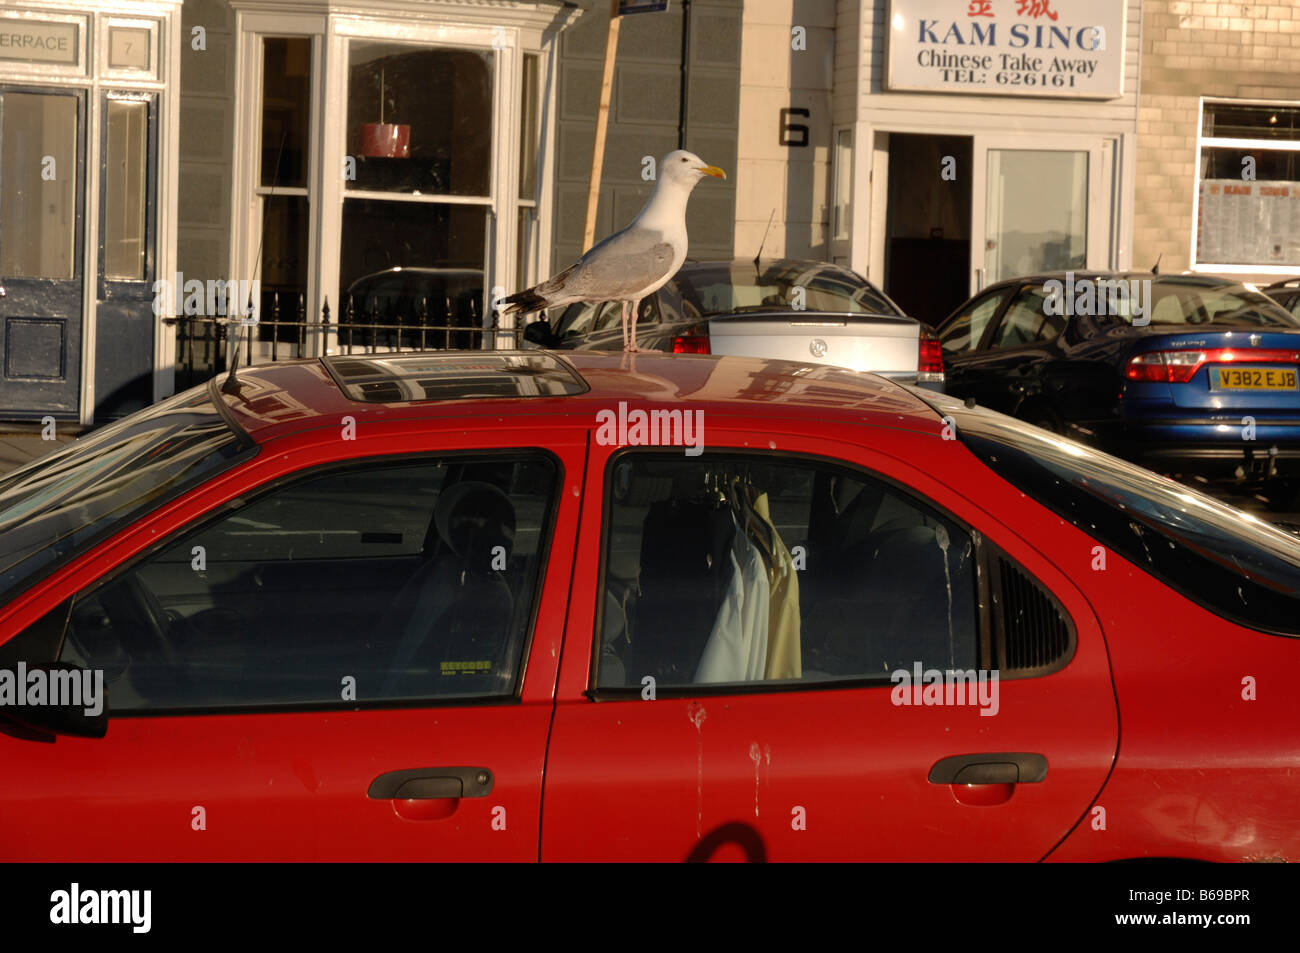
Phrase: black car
x=786 y=308
x=1196 y=374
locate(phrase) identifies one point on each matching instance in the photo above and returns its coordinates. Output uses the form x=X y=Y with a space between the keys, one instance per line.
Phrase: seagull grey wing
x=622 y=266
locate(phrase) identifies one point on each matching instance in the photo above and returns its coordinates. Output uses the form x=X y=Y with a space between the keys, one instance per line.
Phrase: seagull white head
x=686 y=168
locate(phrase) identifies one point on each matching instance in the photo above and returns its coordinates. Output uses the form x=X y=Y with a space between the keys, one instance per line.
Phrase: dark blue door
x=42 y=260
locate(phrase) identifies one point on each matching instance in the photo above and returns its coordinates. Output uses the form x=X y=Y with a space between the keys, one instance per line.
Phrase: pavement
x=19 y=445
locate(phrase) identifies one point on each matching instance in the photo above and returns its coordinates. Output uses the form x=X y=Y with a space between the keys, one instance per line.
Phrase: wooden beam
x=602 y=122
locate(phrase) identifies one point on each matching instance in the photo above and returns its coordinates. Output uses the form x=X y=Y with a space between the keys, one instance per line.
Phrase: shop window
x=1248 y=159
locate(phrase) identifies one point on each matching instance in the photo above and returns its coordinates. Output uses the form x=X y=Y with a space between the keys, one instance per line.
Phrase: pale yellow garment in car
x=784 y=659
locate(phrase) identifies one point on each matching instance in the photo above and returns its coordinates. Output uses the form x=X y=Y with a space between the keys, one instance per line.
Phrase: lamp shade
x=384 y=140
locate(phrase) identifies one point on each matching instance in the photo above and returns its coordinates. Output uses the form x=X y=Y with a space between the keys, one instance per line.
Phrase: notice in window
x=1248 y=223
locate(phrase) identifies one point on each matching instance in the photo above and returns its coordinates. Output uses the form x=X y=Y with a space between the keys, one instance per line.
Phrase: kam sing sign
x=1061 y=48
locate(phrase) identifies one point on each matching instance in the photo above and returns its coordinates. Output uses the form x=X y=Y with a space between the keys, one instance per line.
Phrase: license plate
x=1257 y=378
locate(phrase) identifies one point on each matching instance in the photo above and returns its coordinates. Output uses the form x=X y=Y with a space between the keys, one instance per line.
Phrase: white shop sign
x=1064 y=48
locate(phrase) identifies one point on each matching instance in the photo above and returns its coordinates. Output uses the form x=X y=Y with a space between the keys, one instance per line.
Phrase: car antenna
x=764 y=241
x=1155 y=269
x=231 y=383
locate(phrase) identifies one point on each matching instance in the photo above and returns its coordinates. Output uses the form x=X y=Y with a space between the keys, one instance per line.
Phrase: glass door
x=42 y=189
x=1039 y=206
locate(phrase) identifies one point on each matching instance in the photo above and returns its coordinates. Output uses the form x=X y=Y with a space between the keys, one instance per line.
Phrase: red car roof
x=273 y=400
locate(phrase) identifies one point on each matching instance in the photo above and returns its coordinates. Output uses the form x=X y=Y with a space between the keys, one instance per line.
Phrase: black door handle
x=419 y=784
x=1005 y=767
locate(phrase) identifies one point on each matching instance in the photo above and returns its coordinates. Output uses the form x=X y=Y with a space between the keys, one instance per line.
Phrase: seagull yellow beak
x=713 y=170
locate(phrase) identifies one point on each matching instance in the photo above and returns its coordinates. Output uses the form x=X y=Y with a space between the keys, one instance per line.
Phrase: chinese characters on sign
x=1063 y=48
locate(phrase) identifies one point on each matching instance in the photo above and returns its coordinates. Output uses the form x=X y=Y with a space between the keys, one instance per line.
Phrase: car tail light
x=929 y=363
x=691 y=344
x=1179 y=367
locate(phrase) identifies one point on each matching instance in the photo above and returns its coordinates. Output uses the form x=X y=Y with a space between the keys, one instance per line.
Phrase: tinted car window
x=401 y=580
x=59 y=505
x=733 y=569
x=1176 y=302
x=732 y=288
x=1026 y=321
x=965 y=331
x=582 y=318
x=1219 y=557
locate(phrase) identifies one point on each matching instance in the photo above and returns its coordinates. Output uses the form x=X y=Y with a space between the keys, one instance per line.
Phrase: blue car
x=1185 y=374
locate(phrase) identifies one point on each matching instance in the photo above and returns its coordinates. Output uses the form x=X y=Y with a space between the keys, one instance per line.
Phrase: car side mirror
x=539 y=333
x=56 y=698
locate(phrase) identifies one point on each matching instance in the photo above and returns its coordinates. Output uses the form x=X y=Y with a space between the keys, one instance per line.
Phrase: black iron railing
x=284 y=332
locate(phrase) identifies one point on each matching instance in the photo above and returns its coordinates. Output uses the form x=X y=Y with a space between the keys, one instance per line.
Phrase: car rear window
x=740 y=288
x=1221 y=558
x=63 y=503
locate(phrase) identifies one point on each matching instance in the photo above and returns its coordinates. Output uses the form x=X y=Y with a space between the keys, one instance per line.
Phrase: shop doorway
x=42 y=261
x=928 y=223
x=963 y=212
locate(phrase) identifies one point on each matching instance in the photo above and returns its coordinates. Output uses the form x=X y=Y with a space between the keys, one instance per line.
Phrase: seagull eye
x=683 y=158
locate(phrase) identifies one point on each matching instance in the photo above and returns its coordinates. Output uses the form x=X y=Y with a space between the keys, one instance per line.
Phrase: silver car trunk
x=888 y=345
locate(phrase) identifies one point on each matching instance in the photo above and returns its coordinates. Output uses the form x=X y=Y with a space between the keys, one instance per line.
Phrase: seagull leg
x=623 y=305
x=635 y=306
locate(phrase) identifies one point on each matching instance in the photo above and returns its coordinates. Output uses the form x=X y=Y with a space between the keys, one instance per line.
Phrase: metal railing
x=285 y=332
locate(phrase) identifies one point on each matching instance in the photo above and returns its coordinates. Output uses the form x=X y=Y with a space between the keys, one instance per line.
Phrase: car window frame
x=241 y=500
x=986 y=553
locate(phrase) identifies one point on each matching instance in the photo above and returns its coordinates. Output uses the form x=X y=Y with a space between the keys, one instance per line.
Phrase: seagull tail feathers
x=539 y=297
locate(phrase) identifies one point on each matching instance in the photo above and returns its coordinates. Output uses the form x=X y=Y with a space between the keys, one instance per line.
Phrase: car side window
x=728 y=569
x=964 y=332
x=1027 y=321
x=400 y=580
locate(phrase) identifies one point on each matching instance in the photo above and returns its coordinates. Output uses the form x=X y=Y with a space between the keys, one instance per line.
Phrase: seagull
x=635 y=262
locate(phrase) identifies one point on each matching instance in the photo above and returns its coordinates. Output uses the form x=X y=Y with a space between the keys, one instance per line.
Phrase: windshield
x=1219 y=557
x=59 y=505
x=737 y=288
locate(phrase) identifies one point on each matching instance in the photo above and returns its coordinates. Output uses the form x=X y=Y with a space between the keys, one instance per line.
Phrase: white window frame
x=446 y=26
x=1271 y=145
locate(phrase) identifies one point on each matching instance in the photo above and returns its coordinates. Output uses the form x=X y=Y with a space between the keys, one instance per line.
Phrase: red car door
x=276 y=734
x=828 y=765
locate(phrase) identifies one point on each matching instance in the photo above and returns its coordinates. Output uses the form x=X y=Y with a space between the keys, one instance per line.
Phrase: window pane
x=530 y=114
x=1252 y=221
x=399 y=256
x=702 y=585
x=284 y=265
x=1250 y=121
x=1027 y=321
x=1036 y=212
x=38 y=188
x=417 y=580
x=420 y=120
x=286 y=109
x=124 y=189
x=843 y=181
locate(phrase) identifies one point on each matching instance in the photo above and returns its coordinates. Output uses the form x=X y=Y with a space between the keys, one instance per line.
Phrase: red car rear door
x=275 y=734
x=829 y=765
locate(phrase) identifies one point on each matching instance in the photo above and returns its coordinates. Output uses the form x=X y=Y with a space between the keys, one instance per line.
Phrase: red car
x=521 y=606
